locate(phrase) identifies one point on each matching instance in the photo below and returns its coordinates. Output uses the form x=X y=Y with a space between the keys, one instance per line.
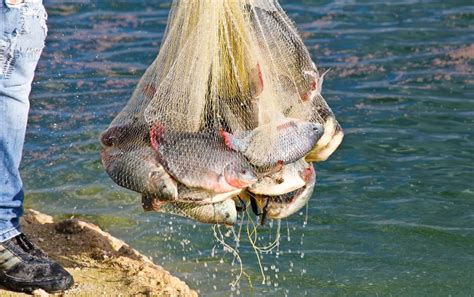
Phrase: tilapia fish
x=242 y=111
x=200 y=160
x=282 y=206
x=136 y=168
x=283 y=45
x=291 y=177
x=292 y=141
x=223 y=212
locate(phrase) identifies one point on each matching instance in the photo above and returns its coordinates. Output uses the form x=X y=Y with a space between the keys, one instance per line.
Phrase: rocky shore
x=101 y=264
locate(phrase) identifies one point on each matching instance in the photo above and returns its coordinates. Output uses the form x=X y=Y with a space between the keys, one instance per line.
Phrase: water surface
x=393 y=211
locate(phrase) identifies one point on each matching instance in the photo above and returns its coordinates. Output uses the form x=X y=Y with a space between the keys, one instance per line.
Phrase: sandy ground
x=101 y=264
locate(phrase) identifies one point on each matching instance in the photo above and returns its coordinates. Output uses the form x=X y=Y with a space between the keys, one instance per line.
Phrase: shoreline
x=100 y=263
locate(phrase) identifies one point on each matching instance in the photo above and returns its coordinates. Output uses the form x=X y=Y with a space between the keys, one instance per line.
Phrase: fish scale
x=292 y=141
x=135 y=167
x=201 y=160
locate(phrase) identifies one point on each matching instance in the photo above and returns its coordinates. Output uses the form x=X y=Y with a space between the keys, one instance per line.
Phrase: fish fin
x=237 y=183
x=279 y=166
x=289 y=124
x=242 y=206
x=315 y=86
x=264 y=216
x=156 y=135
x=229 y=139
x=307 y=173
x=305 y=96
x=321 y=80
x=149 y=91
x=271 y=170
x=257 y=80
x=255 y=208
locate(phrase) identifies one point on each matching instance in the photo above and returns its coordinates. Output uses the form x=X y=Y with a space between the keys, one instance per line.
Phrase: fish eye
x=243 y=171
x=227 y=215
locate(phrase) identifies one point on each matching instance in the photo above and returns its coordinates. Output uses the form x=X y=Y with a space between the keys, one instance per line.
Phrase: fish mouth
x=273 y=202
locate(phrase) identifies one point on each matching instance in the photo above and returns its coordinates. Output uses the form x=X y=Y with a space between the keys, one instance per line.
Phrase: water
x=393 y=210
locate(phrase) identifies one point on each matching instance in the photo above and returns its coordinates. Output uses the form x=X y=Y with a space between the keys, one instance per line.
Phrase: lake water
x=393 y=211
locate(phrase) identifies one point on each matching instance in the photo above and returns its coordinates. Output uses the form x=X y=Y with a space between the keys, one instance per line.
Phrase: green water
x=393 y=211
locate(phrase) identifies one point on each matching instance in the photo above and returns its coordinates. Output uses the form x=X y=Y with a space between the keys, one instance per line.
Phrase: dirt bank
x=101 y=264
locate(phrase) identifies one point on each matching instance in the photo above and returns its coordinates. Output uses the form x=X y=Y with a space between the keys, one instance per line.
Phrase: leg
x=21 y=43
x=23 y=267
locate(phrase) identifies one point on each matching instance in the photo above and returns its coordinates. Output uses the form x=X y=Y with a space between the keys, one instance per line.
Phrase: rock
x=40 y=293
x=100 y=263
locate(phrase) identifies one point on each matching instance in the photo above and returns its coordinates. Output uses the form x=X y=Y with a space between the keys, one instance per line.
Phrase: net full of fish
x=210 y=121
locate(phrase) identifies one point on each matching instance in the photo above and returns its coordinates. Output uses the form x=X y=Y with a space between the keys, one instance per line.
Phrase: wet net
x=232 y=99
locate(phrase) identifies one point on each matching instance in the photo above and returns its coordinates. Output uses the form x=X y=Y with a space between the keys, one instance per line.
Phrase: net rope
x=232 y=94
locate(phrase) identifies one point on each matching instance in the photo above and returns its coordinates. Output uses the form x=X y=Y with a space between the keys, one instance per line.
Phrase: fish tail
x=321 y=80
x=229 y=139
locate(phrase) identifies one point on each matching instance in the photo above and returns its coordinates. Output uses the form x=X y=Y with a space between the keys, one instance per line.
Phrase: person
x=23 y=266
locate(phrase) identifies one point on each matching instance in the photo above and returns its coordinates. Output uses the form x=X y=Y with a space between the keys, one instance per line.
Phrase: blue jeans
x=22 y=34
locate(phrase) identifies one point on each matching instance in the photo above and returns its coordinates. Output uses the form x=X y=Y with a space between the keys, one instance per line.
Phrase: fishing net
x=232 y=96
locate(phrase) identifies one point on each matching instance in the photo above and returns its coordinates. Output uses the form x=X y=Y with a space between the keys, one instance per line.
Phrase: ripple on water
x=392 y=212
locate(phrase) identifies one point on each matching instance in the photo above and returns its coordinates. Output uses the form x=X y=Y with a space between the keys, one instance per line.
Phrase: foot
x=25 y=268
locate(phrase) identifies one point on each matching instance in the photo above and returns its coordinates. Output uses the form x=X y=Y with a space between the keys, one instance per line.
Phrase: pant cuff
x=9 y=234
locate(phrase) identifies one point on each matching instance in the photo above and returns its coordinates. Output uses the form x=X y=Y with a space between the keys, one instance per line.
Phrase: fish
x=125 y=133
x=292 y=141
x=316 y=85
x=242 y=111
x=136 y=168
x=283 y=206
x=201 y=160
x=284 y=45
x=288 y=179
x=223 y=212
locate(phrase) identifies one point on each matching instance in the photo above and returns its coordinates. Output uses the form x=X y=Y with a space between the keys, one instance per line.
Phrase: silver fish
x=242 y=111
x=135 y=167
x=293 y=140
x=282 y=206
x=284 y=42
x=290 y=178
x=200 y=160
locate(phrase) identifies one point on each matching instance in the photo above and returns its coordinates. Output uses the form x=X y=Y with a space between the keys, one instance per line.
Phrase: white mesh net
x=232 y=97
